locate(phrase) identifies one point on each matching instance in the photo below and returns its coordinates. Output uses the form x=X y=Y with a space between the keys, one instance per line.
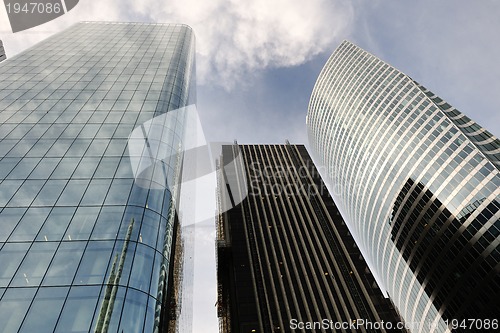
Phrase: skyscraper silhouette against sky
x=418 y=183
x=286 y=259
x=85 y=245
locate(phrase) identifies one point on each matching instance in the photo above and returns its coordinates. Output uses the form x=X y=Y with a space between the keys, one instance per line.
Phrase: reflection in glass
x=30 y=224
x=6 y=165
x=108 y=317
x=149 y=228
x=24 y=168
x=65 y=168
x=107 y=167
x=96 y=192
x=43 y=313
x=156 y=199
x=49 y=193
x=73 y=192
x=34 y=265
x=26 y=193
x=108 y=222
x=94 y=262
x=131 y=213
x=157 y=265
x=77 y=170
x=134 y=312
x=140 y=277
x=64 y=265
x=56 y=224
x=120 y=264
x=11 y=256
x=78 y=310
x=10 y=218
x=7 y=190
x=119 y=192
x=86 y=167
x=138 y=195
x=13 y=307
x=82 y=223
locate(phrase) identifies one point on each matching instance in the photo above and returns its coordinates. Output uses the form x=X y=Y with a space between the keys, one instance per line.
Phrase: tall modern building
x=418 y=183
x=85 y=245
x=3 y=55
x=286 y=261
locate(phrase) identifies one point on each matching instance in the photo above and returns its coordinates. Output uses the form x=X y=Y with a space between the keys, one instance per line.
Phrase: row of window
x=75 y=310
x=85 y=222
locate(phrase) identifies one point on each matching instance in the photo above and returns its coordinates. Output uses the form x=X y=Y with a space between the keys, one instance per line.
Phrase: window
x=30 y=224
x=79 y=309
x=43 y=313
x=49 y=193
x=108 y=222
x=44 y=168
x=73 y=192
x=15 y=303
x=96 y=192
x=56 y=224
x=140 y=277
x=94 y=263
x=34 y=265
x=7 y=189
x=10 y=217
x=11 y=256
x=65 y=263
x=119 y=192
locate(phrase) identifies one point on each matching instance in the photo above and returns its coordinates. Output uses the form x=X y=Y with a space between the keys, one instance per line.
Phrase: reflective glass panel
x=13 y=307
x=78 y=310
x=94 y=262
x=82 y=223
x=11 y=256
x=63 y=267
x=34 y=265
x=44 y=311
x=30 y=224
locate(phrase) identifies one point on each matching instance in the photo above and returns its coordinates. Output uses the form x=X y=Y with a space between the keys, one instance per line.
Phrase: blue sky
x=258 y=60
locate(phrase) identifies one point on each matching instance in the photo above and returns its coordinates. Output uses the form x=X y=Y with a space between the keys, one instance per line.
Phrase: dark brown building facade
x=286 y=260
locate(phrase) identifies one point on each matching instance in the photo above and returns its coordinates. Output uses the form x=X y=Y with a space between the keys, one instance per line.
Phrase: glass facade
x=84 y=247
x=417 y=181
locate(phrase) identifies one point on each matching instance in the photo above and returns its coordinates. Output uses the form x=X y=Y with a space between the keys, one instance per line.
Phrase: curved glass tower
x=418 y=182
x=87 y=245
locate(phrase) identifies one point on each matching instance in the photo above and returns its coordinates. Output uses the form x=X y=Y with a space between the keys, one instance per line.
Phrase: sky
x=257 y=62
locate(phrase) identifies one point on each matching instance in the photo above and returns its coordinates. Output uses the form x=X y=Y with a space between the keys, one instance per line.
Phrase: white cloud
x=235 y=39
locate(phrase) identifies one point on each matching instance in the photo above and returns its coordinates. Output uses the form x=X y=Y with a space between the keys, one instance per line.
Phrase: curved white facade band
x=417 y=181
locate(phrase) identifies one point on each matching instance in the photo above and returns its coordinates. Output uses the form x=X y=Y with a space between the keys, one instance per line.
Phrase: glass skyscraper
x=86 y=246
x=418 y=182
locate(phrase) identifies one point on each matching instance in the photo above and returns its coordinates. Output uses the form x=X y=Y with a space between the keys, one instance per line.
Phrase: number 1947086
x=473 y=324
x=34 y=8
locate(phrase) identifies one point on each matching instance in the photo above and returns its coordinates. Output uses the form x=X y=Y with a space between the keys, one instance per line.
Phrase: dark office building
x=286 y=262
